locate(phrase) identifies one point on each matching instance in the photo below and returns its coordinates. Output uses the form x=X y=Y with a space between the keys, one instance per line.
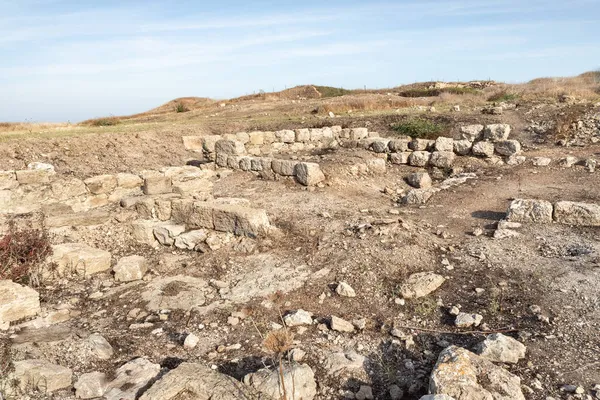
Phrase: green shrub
x=108 y=121
x=180 y=108
x=420 y=128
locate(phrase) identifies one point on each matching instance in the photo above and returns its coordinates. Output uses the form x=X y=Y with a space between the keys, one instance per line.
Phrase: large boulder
x=530 y=210
x=198 y=382
x=572 y=213
x=467 y=376
x=444 y=144
x=16 y=302
x=298 y=382
x=500 y=348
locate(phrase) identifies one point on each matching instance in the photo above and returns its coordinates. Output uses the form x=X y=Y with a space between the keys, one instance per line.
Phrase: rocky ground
x=376 y=280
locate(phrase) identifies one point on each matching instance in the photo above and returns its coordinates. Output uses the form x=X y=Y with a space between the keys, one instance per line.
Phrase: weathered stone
x=569 y=161
x=101 y=184
x=195 y=381
x=245 y=163
x=507 y=147
x=175 y=293
x=376 y=165
x=420 y=284
x=33 y=177
x=240 y=220
x=503 y=233
x=308 y=174
x=163 y=209
x=345 y=290
x=419 y=180
x=298 y=317
x=230 y=147
x=496 y=132
x=419 y=196
x=242 y=137
x=41 y=375
x=442 y=159
x=68 y=188
x=466 y=320
x=530 y=210
x=422 y=144
x=364 y=393
x=36 y=165
x=399 y=145
x=190 y=240
x=572 y=213
x=8 y=180
x=16 y=302
x=516 y=160
x=437 y=397
x=145 y=207
x=129 y=181
x=78 y=258
x=463 y=147
x=444 y=144
x=380 y=145
x=193 y=143
x=157 y=184
x=358 y=133
x=399 y=158
x=419 y=158
x=166 y=233
x=100 y=346
x=143 y=231
x=284 y=167
x=466 y=376
x=298 y=381
x=500 y=348
x=130 y=268
x=472 y=132
x=130 y=379
x=90 y=385
x=341 y=362
x=209 y=143
x=341 y=325
x=483 y=149
x=285 y=136
x=87 y=218
x=541 y=161
x=221 y=160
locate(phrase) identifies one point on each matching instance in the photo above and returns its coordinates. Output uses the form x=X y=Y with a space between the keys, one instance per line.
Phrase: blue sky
x=71 y=60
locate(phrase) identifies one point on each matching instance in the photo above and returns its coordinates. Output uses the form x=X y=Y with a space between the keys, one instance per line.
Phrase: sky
x=70 y=60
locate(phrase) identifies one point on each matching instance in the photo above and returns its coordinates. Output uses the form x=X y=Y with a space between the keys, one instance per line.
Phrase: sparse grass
x=181 y=108
x=105 y=121
x=329 y=91
x=433 y=92
x=425 y=307
x=420 y=128
x=22 y=253
x=366 y=103
x=504 y=96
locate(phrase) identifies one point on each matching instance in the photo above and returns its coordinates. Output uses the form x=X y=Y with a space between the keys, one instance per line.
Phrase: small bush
x=181 y=108
x=106 y=121
x=22 y=253
x=420 y=128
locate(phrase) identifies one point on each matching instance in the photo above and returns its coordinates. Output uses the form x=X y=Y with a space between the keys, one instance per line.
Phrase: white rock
x=90 y=385
x=100 y=346
x=17 y=302
x=308 y=174
x=298 y=380
x=341 y=325
x=541 y=161
x=41 y=166
x=343 y=289
x=298 y=317
x=442 y=159
x=463 y=147
x=419 y=180
x=507 y=147
x=421 y=284
x=130 y=268
x=130 y=378
x=466 y=320
x=483 y=149
x=191 y=341
x=572 y=213
x=41 y=375
x=444 y=144
x=530 y=210
x=496 y=132
x=419 y=158
x=500 y=348
x=471 y=132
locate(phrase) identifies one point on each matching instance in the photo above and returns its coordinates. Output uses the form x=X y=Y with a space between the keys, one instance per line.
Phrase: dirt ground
x=351 y=229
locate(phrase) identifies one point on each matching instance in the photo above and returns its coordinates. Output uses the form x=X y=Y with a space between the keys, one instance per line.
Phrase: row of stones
x=564 y=212
x=44 y=186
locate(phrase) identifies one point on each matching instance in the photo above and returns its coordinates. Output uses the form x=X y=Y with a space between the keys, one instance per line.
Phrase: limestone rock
x=190 y=240
x=419 y=180
x=166 y=233
x=419 y=196
x=344 y=361
x=230 y=147
x=496 y=132
x=419 y=158
x=298 y=317
x=345 y=290
x=569 y=161
x=421 y=284
x=240 y=220
x=442 y=159
x=466 y=320
x=41 y=375
x=466 y=376
x=100 y=346
x=130 y=268
x=175 y=293
x=90 y=385
x=530 y=210
x=16 y=302
x=298 y=380
x=541 y=161
x=507 y=147
x=341 y=325
x=33 y=177
x=444 y=144
x=157 y=184
x=422 y=144
x=399 y=158
x=8 y=180
x=437 y=397
x=358 y=133
x=380 y=145
x=198 y=382
x=79 y=258
x=130 y=378
x=463 y=147
x=308 y=174
x=471 y=132
x=41 y=166
x=572 y=213
x=129 y=181
x=399 y=145
x=483 y=149
x=284 y=167
x=191 y=341
x=500 y=348
x=101 y=184
x=376 y=165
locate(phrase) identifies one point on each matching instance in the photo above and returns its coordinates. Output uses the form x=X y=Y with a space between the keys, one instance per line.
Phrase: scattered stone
x=130 y=268
x=477 y=232
x=196 y=381
x=541 y=161
x=419 y=180
x=130 y=378
x=590 y=164
x=17 y=302
x=465 y=375
x=530 y=210
x=90 y=385
x=500 y=348
x=420 y=284
x=419 y=196
x=344 y=361
x=298 y=381
x=191 y=341
x=345 y=290
x=341 y=325
x=100 y=346
x=40 y=166
x=41 y=375
x=569 y=161
x=298 y=317
x=466 y=320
